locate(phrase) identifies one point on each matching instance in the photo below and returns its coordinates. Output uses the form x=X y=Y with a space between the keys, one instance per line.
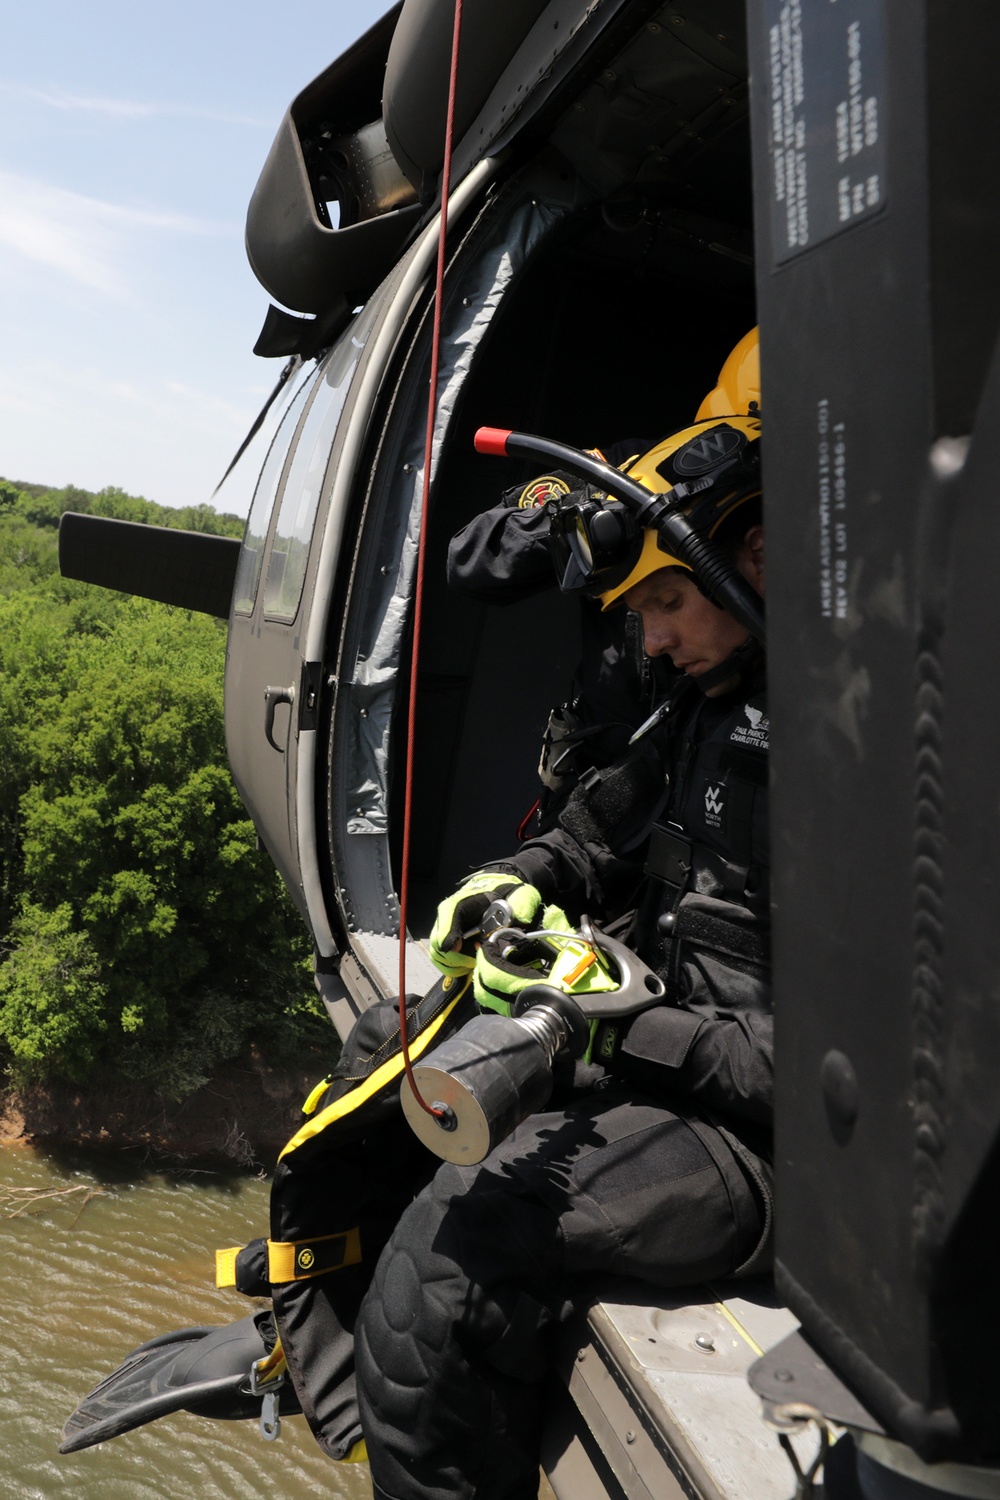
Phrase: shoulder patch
x=538 y=491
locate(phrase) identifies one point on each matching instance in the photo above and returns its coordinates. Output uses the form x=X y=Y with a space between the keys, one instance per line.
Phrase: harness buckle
x=669 y=857
x=267 y=1374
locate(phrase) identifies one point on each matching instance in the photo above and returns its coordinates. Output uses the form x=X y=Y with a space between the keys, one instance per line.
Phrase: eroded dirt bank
x=245 y=1114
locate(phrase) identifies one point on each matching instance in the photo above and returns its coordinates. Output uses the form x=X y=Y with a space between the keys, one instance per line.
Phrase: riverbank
x=245 y=1114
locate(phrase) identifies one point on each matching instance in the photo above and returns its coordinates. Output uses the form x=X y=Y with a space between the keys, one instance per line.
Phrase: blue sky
x=132 y=136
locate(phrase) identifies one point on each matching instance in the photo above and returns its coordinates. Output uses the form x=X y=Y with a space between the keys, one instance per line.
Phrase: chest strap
x=690 y=867
x=751 y=944
x=616 y=806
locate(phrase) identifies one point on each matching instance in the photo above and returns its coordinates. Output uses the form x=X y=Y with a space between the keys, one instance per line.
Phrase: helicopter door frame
x=358 y=415
x=376 y=605
x=246 y=635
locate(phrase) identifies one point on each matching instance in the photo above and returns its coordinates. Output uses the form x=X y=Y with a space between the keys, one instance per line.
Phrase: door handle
x=272 y=697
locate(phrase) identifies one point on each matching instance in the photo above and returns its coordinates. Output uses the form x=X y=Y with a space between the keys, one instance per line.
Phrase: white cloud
x=14 y=398
x=164 y=405
x=172 y=406
x=84 y=239
x=58 y=99
x=153 y=436
x=216 y=413
x=130 y=109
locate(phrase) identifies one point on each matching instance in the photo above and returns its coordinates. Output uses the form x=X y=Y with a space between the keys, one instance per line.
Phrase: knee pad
x=456 y=1286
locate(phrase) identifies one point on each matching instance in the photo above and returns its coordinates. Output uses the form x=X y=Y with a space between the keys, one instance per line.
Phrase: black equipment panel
x=883 y=536
x=826 y=77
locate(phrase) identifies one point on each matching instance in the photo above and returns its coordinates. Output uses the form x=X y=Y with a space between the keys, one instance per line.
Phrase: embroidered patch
x=545 y=487
x=755 y=733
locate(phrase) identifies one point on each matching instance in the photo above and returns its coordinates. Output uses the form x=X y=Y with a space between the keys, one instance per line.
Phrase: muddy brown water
x=84 y=1283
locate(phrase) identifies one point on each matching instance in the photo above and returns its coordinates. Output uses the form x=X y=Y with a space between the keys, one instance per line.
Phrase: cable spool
x=495 y=1072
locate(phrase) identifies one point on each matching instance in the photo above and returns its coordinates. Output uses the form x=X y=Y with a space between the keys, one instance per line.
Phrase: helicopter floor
x=655 y=1402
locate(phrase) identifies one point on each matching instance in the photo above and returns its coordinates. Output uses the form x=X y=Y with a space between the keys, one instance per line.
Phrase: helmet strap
x=737 y=668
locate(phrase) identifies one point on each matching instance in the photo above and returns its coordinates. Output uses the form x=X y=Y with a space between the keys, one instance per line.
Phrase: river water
x=85 y=1280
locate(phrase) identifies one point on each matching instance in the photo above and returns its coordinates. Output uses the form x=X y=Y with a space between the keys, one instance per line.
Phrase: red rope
x=522 y=827
x=404 y=878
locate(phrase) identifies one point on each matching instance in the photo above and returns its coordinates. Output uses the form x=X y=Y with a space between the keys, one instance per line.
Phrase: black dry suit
x=679 y=831
x=651 y=1163
x=501 y=557
x=657 y=1167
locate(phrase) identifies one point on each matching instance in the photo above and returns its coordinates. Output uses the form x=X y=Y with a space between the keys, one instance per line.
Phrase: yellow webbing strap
x=296 y=1260
x=358 y=1454
x=225 y=1265
x=376 y=1081
x=272 y=1367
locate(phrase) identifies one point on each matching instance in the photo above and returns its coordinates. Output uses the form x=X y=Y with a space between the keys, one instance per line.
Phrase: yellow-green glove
x=459 y=917
x=569 y=964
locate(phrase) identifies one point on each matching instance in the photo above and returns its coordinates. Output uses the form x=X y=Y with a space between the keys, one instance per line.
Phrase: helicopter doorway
x=603 y=338
x=556 y=322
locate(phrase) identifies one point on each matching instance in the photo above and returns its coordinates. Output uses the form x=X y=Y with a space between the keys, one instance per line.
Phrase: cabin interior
x=616 y=331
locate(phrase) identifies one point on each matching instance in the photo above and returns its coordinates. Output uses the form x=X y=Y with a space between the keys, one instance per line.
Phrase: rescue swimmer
x=503 y=555
x=654 y=1159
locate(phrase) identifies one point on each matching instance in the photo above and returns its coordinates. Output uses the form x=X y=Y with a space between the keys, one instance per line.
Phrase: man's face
x=679 y=622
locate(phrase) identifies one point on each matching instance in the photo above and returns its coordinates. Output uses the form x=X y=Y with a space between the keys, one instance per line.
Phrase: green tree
x=41 y=507
x=141 y=931
x=28 y=554
x=44 y=507
x=149 y=934
x=35 y=638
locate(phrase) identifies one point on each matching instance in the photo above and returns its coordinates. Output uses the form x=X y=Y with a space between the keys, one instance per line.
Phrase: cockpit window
x=248 y=568
x=286 y=568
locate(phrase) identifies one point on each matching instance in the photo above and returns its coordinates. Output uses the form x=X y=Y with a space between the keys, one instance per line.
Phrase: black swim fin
x=201 y=1370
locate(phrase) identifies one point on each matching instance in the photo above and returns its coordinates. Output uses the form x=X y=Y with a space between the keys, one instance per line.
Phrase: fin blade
x=203 y=1370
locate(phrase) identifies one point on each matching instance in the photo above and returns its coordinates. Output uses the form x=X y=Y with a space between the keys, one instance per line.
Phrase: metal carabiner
x=269 y=1390
x=269 y=1423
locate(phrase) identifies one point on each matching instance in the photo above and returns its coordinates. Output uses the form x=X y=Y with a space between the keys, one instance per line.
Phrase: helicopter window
x=248 y=569
x=286 y=569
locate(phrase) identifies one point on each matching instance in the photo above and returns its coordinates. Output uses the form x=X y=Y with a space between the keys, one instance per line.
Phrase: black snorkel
x=716 y=573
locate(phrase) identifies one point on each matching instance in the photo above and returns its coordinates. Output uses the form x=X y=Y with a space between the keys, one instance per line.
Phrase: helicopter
x=633 y=184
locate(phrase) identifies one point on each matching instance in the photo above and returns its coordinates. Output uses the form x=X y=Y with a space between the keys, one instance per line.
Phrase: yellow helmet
x=715 y=465
x=739 y=382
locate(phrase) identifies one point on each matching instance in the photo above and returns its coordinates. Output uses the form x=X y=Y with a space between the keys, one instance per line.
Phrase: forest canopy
x=142 y=933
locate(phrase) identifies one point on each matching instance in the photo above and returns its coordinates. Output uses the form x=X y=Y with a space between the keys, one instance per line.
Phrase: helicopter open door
x=281 y=598
x=267 y=664
x=296 y=562
x=548 y=228
x=532 y=255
